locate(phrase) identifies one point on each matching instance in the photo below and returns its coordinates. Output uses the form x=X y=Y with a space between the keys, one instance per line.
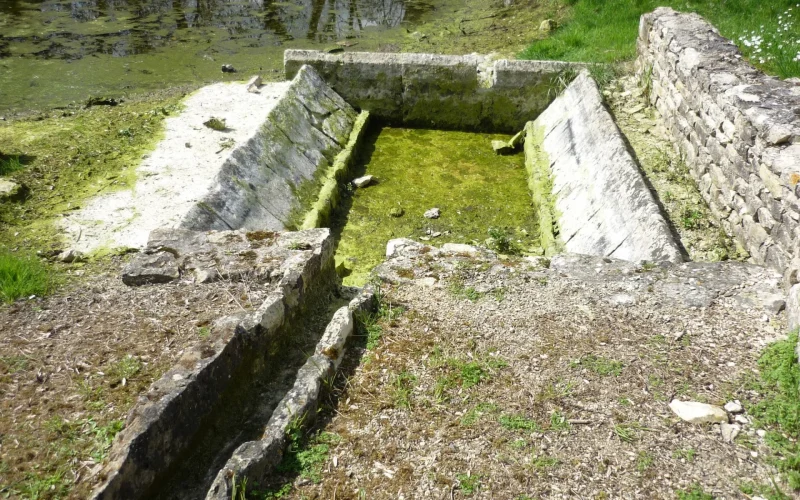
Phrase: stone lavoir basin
x=278 y=206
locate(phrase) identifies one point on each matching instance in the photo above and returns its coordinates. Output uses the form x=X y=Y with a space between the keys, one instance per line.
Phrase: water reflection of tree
x=154 y=22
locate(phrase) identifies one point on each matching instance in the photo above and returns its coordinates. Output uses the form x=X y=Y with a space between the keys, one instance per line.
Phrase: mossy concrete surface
x=417 y=170
x=470 y=93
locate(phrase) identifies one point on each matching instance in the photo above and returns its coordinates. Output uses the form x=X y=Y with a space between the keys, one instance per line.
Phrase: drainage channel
x=243 y=413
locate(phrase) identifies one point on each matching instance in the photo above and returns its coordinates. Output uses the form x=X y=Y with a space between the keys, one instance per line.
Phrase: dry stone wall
x=469 y=92
x=738 y=129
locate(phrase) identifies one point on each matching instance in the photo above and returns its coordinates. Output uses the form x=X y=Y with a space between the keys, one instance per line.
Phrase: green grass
x=601 y=366
x=10 y=164
x=605 y=31
x=694 y=493
x=468 y=483
x=779 y=410
x=519 y=422
x=402 y=386
x=21 y=276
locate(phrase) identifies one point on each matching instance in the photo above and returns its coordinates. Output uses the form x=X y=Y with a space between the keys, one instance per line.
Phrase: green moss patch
x=66 y=160
x=416 y=170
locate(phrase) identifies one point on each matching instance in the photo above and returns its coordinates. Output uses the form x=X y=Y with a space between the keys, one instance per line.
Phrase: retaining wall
x=469 y=92
x=738 y=129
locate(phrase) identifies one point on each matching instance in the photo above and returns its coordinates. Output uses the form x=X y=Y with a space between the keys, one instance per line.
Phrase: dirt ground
x=73 y=364
x=503 y=381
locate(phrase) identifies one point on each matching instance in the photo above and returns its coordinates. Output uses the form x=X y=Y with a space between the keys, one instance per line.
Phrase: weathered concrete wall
x=602 y=203
x=738 y=129
x=434 y=91
x=167 y=418
x=264 y=183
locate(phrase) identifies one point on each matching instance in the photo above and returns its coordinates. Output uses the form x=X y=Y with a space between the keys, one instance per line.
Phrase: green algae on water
x=416 y=170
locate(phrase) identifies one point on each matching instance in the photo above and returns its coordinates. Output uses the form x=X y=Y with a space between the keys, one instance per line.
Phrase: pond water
x=457 y=172
x=53 y=52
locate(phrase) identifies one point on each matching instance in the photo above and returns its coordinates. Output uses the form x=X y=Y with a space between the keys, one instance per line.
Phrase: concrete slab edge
x=328 y=198
x=164 y=421
x=255 y=459
x=604 y=205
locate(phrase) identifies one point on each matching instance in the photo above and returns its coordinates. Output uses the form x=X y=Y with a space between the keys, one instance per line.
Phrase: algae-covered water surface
x=475 y=190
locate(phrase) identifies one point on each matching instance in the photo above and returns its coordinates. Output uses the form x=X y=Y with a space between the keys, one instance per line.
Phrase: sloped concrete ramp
x=602 y=203
x=246 y=176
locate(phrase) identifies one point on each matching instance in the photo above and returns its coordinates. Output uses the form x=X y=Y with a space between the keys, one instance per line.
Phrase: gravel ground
x=500 y=379
x=72 y=365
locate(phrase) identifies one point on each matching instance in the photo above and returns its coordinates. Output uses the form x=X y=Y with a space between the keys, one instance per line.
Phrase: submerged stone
x=364 y=181
x=12 y=191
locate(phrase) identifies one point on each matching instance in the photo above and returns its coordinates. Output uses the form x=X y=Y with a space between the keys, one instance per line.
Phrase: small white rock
x=761 y=433
x=698 y=413
x=729 y=431
x=733 y=407
x=364 y=181
x=433 y=213
x=741 y=419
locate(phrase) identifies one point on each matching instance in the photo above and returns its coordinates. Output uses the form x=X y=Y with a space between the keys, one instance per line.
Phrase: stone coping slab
x=471 y=92
x=602 y=202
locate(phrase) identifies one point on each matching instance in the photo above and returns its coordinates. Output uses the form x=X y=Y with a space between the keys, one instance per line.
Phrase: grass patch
x=69 y=159
x=600 y=365
x=481 y=409
x=694 y=493
x=468 y=483
x=22 y=276
x=10 y=164
x=605 y=31
x=402 y=385
x=779 y=409
x=519 y=422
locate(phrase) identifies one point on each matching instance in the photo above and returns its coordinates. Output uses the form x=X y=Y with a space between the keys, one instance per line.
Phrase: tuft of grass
x=402 y=385
x=779 y=410
x=644 y=461
x=215 y=123
x=601 y=366
x=502 y=241
x=468 y=483
x=125 y=369
x=10 y=164
x=559 y=422
x=459 y=290
x=21 y=276
x=687 y=454
x=605 y=31
x=472 y=416
x=694 y=493
x=519 y=422
x=627 y=433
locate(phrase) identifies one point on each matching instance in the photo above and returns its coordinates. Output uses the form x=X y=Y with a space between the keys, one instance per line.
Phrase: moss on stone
x=540 y=183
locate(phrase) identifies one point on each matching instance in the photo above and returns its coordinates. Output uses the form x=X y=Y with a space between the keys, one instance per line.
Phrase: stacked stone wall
x=738 y=130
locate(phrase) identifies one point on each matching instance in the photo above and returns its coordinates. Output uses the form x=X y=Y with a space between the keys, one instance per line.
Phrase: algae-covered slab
x=603 y=204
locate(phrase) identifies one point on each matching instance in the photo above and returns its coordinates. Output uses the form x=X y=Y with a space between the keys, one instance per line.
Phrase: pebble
x=433 y=213
x=761 y=433
x=729 y=431
x=227 y=68
x=741 y=419
x=698 y=413
x=364 y=181
x=733 y=407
